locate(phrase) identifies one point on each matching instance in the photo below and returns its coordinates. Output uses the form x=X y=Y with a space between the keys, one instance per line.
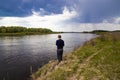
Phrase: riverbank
x=26 y=33
x=20 y=31
x=97 y=59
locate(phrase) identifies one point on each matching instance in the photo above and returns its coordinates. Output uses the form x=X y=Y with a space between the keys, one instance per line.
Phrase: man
x=60 y=45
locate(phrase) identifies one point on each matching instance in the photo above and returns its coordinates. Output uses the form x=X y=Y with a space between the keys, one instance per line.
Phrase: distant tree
x=3 y=30
x=18 y=29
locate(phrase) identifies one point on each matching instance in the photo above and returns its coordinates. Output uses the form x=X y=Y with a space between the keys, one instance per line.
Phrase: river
x=19 y=53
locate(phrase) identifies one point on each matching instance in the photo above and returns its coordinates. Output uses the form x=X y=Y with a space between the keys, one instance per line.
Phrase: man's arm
x=56 y=42
x=63 y=43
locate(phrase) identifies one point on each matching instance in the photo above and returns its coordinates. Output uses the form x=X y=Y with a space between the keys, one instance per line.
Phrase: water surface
x=18 y=53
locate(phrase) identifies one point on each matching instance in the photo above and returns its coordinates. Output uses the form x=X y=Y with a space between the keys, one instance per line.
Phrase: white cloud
x=52 y=21
x=117 y=20
x=40 y=12
x=77 y=27
x=58 y=22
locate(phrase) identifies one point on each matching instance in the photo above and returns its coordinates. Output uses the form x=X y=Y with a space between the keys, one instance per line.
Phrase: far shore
x=27 y=33
x=20 y=31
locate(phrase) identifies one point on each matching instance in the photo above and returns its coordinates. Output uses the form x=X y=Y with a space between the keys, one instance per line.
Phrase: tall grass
x=105 y=65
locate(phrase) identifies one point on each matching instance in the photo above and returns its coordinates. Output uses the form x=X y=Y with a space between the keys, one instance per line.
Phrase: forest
x=18 y=30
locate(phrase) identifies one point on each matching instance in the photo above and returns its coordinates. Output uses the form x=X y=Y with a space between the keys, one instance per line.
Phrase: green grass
x=105 y=65
x=25 y=33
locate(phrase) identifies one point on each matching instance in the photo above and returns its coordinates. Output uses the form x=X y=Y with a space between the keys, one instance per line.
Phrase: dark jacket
x=60 y=44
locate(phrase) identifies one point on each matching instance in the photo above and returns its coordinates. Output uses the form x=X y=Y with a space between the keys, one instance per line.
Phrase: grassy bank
x=18 y=31
x=26 y=33
x=98 y=59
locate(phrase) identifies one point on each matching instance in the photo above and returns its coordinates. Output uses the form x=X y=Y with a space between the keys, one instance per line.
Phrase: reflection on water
x=17 y=54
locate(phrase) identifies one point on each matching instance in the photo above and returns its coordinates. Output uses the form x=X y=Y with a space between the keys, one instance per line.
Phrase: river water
x=19 y=53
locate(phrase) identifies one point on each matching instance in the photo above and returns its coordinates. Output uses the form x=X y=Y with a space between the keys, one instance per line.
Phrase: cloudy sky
x=61 y=15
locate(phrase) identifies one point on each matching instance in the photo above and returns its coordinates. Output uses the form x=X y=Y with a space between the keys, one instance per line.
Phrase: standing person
x=60 y=45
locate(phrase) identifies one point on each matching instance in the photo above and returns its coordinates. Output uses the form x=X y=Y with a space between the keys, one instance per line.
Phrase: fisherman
x=60 y=45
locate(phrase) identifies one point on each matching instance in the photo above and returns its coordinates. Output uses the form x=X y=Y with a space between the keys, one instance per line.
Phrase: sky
x=61 y=15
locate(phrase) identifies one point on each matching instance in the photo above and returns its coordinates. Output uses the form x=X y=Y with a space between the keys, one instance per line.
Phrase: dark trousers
x=59 y=54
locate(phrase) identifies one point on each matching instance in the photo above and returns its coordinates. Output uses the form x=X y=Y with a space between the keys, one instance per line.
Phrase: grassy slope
x=25 y=33
x=98 y=59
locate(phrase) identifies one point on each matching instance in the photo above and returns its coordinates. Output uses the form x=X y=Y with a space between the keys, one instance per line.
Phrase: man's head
x=59 y=36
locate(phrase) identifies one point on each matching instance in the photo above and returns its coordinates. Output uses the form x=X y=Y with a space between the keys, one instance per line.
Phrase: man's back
x=60 y=44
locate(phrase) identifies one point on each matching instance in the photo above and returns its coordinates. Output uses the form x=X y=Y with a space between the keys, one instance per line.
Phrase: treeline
x=97 y=31
x=17 y=29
